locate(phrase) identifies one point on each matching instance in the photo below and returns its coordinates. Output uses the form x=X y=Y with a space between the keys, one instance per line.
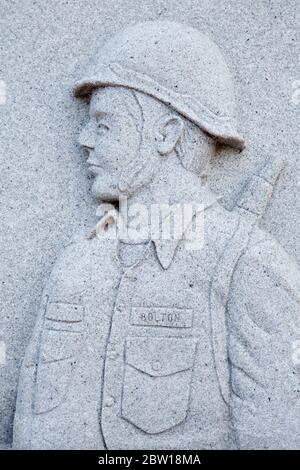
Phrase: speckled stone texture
x=45 y=194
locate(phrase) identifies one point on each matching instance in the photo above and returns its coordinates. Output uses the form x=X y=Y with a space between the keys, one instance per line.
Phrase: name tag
x=162 y=316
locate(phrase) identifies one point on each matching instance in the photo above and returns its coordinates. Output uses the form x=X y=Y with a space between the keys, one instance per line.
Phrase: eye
x=102 y=127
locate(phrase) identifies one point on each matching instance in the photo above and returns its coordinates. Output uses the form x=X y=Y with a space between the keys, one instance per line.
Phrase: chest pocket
x=59 y=348
x=157 y=381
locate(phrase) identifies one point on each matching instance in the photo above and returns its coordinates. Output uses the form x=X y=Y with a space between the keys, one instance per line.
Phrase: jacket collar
x=200 y=199
x=165 y=249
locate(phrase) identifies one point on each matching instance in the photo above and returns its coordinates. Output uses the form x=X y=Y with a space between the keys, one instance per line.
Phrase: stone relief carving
x=145 y=343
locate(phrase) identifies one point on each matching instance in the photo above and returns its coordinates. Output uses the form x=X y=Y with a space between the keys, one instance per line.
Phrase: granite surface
x=46 y=195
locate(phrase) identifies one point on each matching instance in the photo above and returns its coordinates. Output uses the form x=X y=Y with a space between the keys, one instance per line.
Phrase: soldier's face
x=111 y=138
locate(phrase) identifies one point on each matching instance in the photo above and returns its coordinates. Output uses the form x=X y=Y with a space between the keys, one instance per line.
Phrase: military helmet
x=175 y=64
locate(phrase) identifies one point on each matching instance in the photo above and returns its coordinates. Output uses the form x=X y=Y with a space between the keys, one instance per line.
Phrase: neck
x=171 y=184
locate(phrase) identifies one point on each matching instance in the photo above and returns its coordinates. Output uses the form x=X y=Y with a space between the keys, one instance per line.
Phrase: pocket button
x=113 y=355
x=156 y=366
x=110 y=401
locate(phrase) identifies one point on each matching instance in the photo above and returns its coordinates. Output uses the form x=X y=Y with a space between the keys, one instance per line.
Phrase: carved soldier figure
x=144 y=343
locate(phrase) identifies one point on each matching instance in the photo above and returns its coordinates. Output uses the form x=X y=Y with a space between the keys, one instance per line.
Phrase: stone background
x=44 y=189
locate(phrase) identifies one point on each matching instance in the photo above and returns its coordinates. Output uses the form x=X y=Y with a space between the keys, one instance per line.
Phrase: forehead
x=111 y=100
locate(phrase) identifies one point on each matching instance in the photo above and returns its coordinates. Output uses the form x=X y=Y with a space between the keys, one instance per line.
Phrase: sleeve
x=264 y=349
x=26 y=385
x=49 y=357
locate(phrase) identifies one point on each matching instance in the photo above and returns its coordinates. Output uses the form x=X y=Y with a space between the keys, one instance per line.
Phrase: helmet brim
x=219 y=127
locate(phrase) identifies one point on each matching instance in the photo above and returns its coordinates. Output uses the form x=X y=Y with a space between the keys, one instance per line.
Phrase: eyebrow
x=98 y=114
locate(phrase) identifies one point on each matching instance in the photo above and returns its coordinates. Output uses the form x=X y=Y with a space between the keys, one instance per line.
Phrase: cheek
x=130 y=140
x=109 y=149
x=118 y=148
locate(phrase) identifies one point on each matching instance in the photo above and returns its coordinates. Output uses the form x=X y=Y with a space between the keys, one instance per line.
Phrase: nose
x=86 y=137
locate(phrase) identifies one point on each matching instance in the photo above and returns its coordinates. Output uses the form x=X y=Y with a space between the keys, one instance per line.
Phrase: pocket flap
x=160 y=356
x=64 y=312
x=58 y=345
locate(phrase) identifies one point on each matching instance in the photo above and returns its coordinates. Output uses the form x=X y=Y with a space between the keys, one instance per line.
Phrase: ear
x=168 y=134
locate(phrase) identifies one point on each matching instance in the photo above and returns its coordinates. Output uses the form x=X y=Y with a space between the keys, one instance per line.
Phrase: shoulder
x=266 y=284
x=84 y=245
x=266 y=257
x=80 y=261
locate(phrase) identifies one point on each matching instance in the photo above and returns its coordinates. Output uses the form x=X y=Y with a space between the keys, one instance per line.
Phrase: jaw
x=130 y=183
x=108 y=189
x=105 y=189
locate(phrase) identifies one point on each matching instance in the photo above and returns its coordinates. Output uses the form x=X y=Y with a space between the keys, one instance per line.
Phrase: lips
x=94 y=167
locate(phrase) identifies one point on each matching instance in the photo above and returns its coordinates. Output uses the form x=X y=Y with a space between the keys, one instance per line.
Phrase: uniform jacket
x=159 y=347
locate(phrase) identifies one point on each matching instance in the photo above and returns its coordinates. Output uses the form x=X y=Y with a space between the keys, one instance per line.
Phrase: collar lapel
x=165 y=249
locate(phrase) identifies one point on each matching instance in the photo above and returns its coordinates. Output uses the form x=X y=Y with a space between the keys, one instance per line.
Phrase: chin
x=105 y=192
